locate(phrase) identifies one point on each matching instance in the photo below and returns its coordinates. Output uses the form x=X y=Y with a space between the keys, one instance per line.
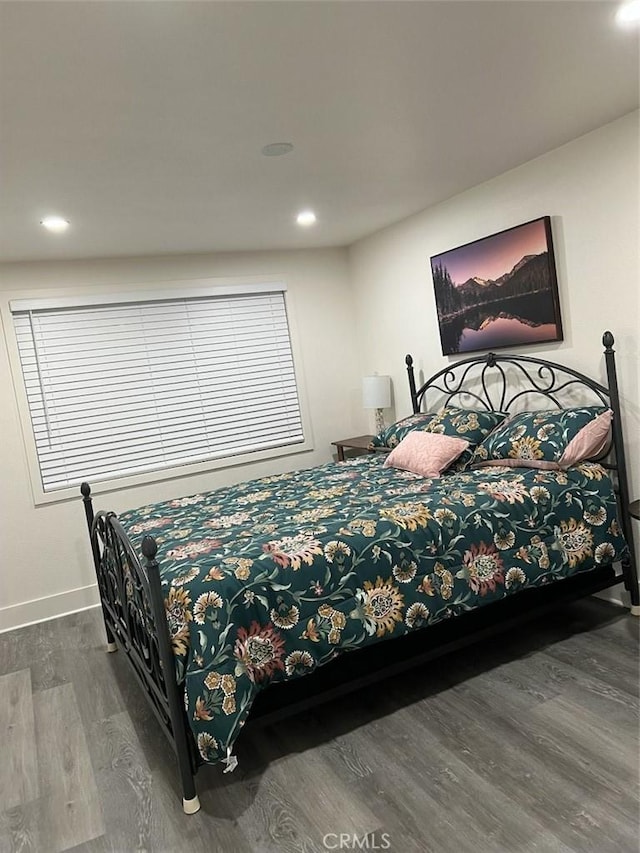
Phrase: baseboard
x=49 y=607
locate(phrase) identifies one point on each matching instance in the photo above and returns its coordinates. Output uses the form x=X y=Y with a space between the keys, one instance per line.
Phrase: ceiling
x=142 y=122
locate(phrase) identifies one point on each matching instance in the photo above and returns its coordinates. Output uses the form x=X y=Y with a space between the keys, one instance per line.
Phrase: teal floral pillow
x=536 y=439
x=391 y=436
x=474 y=426
x=468 y=424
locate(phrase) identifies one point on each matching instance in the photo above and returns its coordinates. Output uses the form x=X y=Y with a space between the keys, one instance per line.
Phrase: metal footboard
x=135 y=622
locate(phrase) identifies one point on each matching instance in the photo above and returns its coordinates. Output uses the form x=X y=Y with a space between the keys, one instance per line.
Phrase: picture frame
x=498 y=291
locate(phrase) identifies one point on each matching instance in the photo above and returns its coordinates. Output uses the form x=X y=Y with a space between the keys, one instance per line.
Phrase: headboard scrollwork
x=505 y=383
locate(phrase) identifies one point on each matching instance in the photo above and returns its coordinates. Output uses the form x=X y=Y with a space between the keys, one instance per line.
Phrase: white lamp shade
x=376 y=392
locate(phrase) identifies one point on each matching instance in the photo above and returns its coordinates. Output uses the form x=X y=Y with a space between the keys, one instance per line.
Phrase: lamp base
x=379 y=420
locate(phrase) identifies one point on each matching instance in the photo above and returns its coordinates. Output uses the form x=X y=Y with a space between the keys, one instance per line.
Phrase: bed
x=261 y=599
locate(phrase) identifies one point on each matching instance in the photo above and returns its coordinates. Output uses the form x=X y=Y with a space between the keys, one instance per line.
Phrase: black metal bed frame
x=132 y=599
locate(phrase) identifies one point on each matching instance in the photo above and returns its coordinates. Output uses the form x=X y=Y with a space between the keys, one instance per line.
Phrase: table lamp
x=376 y=394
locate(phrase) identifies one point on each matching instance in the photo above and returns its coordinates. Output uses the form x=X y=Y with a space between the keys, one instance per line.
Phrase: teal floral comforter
x=269 y=579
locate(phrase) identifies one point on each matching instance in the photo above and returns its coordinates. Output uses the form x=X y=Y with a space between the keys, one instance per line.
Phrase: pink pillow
x=426 y=453
x=592 y=440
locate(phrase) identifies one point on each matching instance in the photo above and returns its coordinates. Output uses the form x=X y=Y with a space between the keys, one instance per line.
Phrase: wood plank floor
x=527 y=742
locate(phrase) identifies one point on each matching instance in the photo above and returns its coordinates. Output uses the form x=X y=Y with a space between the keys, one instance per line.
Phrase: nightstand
x=359 y=442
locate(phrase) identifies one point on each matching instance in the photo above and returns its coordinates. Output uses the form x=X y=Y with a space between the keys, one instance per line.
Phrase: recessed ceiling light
x=629 y=13
x=306 y=217
x=55 y=223
x=277 y=149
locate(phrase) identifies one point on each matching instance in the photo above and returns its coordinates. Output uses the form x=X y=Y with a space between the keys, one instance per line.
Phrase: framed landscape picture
x=500 y=291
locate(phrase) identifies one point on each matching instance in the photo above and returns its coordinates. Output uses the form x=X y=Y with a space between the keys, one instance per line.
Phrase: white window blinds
x=119 y=389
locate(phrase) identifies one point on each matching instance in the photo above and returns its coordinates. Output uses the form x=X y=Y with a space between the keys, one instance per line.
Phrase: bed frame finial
x=608 y=341
x=85 y=491
x=149 y=548
x=412 y=383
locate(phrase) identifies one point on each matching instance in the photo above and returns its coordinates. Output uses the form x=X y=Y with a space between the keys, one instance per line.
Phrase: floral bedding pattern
x=269 y=579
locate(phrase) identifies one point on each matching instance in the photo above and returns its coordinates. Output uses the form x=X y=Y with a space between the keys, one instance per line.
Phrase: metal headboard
x=496 y=381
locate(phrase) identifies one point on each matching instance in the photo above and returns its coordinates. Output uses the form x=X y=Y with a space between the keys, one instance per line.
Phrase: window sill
x=42 y=498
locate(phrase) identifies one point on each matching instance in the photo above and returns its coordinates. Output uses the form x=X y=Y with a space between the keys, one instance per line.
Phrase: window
x=122 y=388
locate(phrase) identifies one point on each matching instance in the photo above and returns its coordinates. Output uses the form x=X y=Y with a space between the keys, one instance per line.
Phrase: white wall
x=590 y=188
x=46 y=567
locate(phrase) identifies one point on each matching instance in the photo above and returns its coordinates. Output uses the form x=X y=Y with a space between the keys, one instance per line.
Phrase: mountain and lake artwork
x=499 y=291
